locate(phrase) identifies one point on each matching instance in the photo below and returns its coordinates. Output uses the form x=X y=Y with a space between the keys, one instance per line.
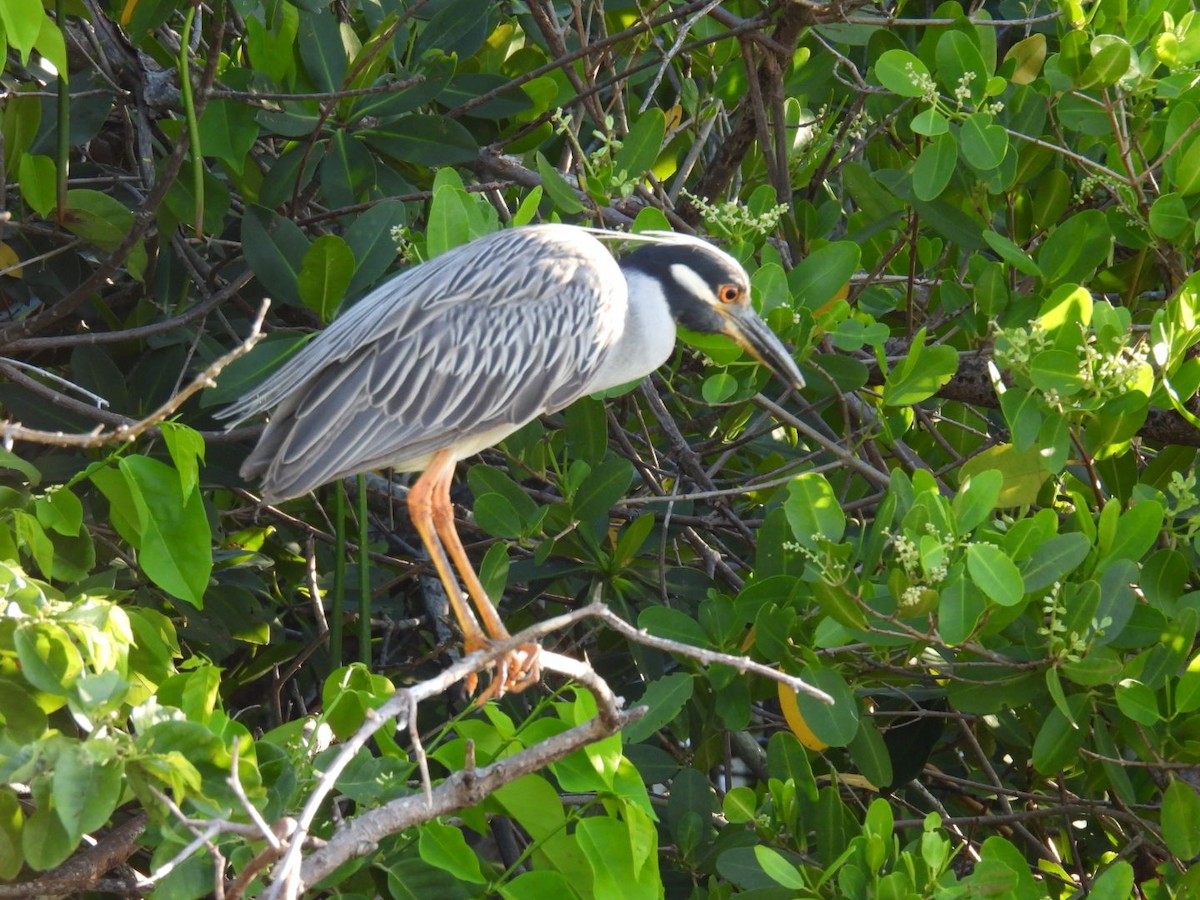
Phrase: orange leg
x=433 y=516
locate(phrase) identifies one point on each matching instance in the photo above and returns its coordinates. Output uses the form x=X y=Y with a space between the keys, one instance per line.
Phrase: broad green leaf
x=609 y=847
x=824 y=273
x=641 y=146
x=935 y=166
x=22 y=20
x=495 y=515
x=718 y=388
x=1022 y=471
x=813 y=510
x=97 y=218
x=1136 y=532
x=1108 y=66
x=1028 y=56
x=175 y=543
x=739 y=805
x=49 y=659
x=665 y=698
x=902 y=73
x=961 y=605
x=665 y=622
x=12 y=823
x=561 y=193
x=1058 y=741
x=1169 y=217
x=870 y=755
x=1137 y=701
x=348 y=171
x=1181 y=819
x=975 y=500
x=960 y=66
x=44 y=840
x=325 y=274
x=275 y=248
x=1053 y=559
x=322 y=50
x=86 y=788
x=228 y=129
x=1075 y=248
x=930 y=123
x=445 y=847
x=982 y=141
x=60 y=511
x=425 y=140
x=778 y=868
x=834 y=723
x=924 y=370
x=1057 y=371
x=995 y=574
x=37 y=179
x=1012 y=254
x=186 y=447
x=1115 y=882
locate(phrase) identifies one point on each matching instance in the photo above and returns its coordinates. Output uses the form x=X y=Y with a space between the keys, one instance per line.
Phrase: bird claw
x=514 y=672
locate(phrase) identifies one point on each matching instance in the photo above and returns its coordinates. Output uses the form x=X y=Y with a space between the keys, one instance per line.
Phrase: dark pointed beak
x=754 y=336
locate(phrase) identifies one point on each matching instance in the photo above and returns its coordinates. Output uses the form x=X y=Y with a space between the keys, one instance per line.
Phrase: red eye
x=729 y=293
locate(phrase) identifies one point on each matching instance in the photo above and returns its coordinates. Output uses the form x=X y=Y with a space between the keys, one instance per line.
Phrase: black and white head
x=708 y=291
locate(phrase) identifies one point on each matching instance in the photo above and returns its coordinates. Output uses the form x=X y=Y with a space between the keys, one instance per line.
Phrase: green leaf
x=1022 y=471
x=37 y=177
x=778 y=868
x=175 y=542
x=12 y=822
x=665 y=697
x=1136 y=532
x=561 y=193
x=813 y=509
x=426 y=140
x=824 y=273
x=1075 y=248
x=1108 y=66
x=275 y=248
x=1181 y=819
x=186 y=447
x=610 y=846
x=718 y=388
x=901 y=73
x=834 y=723
x=1028 y=55
x=935 y=166
x=322 y=51
x=495 y=515
x=445 y=847
x=1114 y=883
x=975 y=500
x=870 y=755
x=930 y=123
x=449 y=219
x=1058 y=741
x=50 y=661
x=86 y=789
x=44 y=840
x=641 y=146
x=325 y=275
x=995 y=574
x=923 y=371
x=673 y=624
x=1012 y=254
x=1169 y=217
x=960 y=65
x=1054 y=559
x=22 y=20
x=1137 y=701
x=228 y=129
x=983 y=142
x=97 y=218
x=370 y=238
x=60 y=511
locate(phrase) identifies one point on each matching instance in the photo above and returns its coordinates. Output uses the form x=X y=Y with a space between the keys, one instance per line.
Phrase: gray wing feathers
x=492 y=334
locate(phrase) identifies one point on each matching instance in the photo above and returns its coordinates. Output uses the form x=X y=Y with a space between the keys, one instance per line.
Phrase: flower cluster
x=1068 y=646
x=923 y=82
x=734 y=219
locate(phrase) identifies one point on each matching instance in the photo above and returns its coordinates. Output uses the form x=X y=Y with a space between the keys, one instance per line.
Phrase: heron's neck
x=646 y=339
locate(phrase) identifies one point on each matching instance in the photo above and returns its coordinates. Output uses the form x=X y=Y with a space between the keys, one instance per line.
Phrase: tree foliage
x=977 y=530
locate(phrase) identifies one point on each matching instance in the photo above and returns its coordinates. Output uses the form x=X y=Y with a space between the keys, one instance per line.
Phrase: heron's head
x=708 y=291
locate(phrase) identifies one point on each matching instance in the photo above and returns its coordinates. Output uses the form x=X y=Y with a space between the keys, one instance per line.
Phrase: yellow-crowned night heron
x=453 y=355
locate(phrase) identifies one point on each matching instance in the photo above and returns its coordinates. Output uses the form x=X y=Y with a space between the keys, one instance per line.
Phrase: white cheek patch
x=686 y=277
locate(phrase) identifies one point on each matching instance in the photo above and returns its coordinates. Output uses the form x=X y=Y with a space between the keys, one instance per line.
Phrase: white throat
x=647 y=339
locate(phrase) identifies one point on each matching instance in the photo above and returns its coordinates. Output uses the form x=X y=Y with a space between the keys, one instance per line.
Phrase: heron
x=451 y=356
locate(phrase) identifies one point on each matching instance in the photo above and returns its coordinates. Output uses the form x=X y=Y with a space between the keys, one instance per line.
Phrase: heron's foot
x=514 y=671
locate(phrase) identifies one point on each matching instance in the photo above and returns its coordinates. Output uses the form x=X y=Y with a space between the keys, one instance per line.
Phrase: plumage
x=451 y=356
